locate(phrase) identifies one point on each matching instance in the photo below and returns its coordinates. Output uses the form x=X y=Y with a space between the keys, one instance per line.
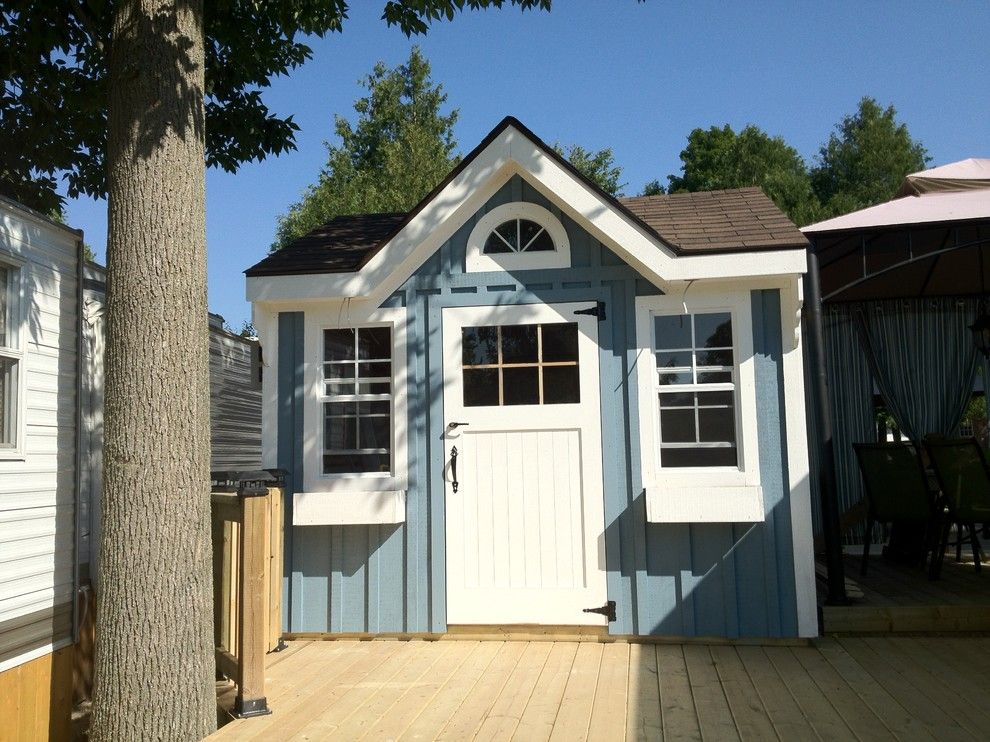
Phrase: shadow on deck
x=894 y=598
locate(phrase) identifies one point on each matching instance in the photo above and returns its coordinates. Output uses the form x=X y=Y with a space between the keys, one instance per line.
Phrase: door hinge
x=607 y=610
x=596 y=311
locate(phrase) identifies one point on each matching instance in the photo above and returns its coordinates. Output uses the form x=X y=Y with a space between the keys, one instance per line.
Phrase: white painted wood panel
x=525 y=529
x=37 y=483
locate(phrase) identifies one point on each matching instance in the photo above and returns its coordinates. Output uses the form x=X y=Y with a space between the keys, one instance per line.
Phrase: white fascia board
x=514 y=153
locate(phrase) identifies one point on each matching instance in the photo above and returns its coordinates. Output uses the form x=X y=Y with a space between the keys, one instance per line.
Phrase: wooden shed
x=527 y=403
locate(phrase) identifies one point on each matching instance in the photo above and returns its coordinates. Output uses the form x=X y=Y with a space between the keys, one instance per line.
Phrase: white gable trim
x=513 y=153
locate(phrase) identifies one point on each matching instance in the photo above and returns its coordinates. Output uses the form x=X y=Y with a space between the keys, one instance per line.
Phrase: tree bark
x=154 y=651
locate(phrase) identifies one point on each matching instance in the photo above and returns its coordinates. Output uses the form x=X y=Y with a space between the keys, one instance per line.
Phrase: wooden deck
x=873 y=688
x=894 y=598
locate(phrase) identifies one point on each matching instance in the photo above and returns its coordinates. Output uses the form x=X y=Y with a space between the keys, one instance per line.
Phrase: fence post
x=252 y=641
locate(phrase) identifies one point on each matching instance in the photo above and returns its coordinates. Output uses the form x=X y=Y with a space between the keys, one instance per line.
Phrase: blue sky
x=634 y=77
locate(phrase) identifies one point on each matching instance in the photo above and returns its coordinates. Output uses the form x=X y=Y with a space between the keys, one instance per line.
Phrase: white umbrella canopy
x=932 y=241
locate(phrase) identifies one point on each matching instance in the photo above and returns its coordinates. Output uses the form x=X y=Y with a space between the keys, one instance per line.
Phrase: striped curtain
x=850 y=389
x=923 y=360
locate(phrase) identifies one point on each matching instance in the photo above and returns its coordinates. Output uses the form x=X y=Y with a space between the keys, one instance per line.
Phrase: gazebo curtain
x=922 y=358
x=851 y=402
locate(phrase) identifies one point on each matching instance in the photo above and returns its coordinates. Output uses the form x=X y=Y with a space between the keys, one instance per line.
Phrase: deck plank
x=471 y=714
x=411 y=703
x=423 y=657
x=680 y=717
x=751 y=718
x=608 y=714
x=939 y=724
x=857 y=715
x=447 y=700
x=714 y=714
x=896 y=717
x=505 y=713
x=788 y=721
x=574 y=714
x=922 y=670
x=643 y=719
x=292 y=686
x=822 y=716
x=541 y=711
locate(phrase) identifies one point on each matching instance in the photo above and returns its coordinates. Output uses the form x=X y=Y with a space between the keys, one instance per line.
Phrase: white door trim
x=543 y=559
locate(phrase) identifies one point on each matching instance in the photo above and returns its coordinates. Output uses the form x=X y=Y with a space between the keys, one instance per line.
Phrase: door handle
x=455 y=426
x=453 y=469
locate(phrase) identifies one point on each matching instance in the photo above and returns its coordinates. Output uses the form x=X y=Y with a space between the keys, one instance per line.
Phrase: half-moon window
x=518 y=235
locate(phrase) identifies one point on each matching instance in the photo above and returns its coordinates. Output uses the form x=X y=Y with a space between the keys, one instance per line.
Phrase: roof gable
x=511 y=149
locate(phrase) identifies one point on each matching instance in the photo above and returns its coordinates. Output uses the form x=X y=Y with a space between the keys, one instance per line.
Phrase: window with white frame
x=357 y=400
x=695 y=389
x=11 y=357
x=517 y=236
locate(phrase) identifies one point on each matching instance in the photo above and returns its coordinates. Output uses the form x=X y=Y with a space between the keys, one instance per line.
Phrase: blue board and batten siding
x=673 y=579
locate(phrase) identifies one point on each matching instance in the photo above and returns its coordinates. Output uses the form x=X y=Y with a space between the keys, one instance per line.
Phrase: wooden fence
x=247 y=581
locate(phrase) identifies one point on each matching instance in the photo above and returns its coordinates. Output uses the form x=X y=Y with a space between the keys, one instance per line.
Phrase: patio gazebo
x=890 y=296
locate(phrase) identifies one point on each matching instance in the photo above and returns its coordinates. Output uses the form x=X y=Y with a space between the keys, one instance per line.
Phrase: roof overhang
x=511 y=150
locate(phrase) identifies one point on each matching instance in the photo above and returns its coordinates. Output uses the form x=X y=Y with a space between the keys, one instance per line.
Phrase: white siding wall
x=37 y=488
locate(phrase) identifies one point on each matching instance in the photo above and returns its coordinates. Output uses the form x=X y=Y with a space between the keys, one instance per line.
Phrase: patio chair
x=964 y=478
x=897 y=491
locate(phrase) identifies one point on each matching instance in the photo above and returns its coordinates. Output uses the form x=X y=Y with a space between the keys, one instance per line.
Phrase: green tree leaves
x=863 y=163
x=865 y=159
x=598 y=167
x=400 y=148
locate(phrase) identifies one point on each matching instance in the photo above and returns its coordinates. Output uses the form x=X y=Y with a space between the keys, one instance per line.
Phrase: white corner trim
x=798 y=467
x=348 y=508
x=513 y=153
x=476 y=261
x=704 y=504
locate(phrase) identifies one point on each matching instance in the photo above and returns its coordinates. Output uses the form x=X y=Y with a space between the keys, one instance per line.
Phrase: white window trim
x=371 y=484
x=476 y=261
x=16 y=351
x=700 y=494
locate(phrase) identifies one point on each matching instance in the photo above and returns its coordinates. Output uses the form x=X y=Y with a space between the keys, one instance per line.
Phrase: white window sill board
x=348 y=508
x=701 y=504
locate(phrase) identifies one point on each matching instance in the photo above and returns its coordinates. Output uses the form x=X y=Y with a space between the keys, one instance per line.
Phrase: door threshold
x=526 y=632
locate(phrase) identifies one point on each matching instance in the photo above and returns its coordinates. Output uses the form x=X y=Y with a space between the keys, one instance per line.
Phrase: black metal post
x=826 y=476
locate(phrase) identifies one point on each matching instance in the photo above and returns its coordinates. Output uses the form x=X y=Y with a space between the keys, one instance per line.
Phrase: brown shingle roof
x=338 y=246
x=717 y=221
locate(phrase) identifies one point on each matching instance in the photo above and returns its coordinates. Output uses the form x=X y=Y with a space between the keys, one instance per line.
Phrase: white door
x=522 y=428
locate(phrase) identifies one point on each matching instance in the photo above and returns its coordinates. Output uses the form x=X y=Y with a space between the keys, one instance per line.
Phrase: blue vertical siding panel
x=312 y=573
x=415 y=529
x=438 y=567
x=619 y=532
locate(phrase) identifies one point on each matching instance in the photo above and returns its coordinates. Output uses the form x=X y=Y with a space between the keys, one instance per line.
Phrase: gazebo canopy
x=928 y=241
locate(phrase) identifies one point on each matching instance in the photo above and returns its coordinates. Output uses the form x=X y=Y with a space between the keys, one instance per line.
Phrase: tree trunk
x=154 y=651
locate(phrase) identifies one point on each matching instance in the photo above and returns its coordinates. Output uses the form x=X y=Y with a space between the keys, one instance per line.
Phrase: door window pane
x=520 y=365
x=521 y=385
x=519 y=344
x=479 y=346
x=561 y=385
x=560 y=342
x=481 y=387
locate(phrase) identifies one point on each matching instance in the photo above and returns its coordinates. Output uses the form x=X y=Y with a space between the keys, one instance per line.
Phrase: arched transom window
x=517 y=236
